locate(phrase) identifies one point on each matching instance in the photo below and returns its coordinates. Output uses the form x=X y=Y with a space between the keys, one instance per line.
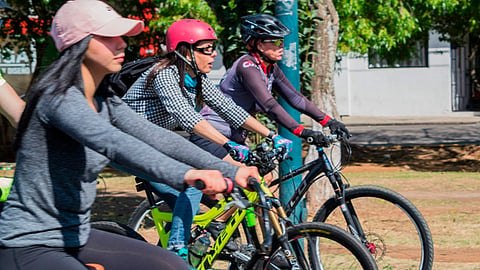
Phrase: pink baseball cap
x=77 y=19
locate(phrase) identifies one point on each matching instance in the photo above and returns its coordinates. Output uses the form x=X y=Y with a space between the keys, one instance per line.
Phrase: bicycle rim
x=142 y=222
x=396 y=232
x=322 y=246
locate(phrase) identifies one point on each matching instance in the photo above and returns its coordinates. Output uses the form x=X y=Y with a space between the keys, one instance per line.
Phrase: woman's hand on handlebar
x=279 y=141
x=315 y=137
x=245 y=172
x=212 y=179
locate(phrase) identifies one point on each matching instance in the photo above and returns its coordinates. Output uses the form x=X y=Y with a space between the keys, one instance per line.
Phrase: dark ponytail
x=62 y=74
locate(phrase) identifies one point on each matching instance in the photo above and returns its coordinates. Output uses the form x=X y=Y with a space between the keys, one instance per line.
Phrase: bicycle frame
x=202 y=220
x=315 y=168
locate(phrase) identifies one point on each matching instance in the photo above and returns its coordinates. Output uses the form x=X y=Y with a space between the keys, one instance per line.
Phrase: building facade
x=435 y=84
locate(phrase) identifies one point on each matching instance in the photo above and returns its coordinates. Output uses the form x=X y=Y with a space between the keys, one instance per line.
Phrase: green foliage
x=390 y=27
x=228 y=13
x=457 y=20
x=29 y=23
x=26 y=23
x=307 y=18
x=158 y=15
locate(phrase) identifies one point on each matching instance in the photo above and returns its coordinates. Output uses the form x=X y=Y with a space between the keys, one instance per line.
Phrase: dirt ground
x=449 y=210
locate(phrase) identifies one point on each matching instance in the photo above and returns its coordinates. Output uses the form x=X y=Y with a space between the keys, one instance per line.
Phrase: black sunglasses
x=275 y=42
x=209 y=50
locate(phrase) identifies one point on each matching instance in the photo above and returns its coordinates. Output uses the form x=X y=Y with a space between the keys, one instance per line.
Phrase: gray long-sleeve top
x=66 y=146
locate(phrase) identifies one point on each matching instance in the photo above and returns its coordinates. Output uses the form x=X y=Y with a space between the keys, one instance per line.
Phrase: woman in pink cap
x=69 y=132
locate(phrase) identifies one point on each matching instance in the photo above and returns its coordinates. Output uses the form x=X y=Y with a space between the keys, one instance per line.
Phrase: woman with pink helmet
x=171 y=94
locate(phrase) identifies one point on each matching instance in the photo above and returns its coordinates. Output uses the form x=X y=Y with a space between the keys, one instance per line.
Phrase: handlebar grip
x=251 y=182
x=199 y=184
x=233 y=153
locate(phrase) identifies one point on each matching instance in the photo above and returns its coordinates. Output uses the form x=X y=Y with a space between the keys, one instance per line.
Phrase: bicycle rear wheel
x=141 y=220
x=396 y=232
x=322 y=246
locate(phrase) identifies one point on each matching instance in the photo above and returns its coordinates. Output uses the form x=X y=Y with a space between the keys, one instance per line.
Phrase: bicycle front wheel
x=396 y=232
x=321 y=246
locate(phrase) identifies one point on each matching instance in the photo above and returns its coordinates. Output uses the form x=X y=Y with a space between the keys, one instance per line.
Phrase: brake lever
x=237 y=201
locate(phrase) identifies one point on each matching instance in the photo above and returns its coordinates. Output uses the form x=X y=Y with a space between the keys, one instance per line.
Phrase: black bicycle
x=387 y=223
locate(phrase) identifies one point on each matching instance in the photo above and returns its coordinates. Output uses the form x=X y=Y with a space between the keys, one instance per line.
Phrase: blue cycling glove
x=279 y=141
x=239 y=152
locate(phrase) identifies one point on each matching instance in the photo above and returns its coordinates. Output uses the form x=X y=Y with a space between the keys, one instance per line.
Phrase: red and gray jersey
x=251 y=88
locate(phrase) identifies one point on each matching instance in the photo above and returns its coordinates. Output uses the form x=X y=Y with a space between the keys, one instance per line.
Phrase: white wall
x=394 y=91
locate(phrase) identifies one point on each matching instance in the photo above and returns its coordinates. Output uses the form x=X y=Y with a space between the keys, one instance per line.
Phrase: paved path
x=414 y=131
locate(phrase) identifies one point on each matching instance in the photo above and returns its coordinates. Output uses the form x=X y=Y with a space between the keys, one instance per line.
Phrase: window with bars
x=418 y=59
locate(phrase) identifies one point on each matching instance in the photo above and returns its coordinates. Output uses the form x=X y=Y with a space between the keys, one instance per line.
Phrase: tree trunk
x=323 y=95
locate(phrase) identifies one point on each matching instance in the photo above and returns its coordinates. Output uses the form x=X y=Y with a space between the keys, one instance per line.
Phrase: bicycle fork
x=346 y=207
x=297 y=259
x=349 y=213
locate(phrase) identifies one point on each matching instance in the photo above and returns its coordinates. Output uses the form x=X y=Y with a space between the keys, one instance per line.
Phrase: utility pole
x=286 y=11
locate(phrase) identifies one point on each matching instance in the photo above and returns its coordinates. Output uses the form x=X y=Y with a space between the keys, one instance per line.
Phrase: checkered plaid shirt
x=164 y=104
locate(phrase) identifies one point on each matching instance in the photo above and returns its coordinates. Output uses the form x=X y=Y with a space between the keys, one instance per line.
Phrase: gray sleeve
x=223 y=105
x=166 y=141
x=72 y=115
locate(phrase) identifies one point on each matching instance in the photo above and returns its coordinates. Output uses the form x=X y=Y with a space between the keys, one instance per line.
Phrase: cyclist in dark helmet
x=254 y=76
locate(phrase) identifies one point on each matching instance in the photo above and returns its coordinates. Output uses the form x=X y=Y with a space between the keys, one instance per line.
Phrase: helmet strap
x=194 y=63
x=191 y=63
x=258 y=56
x=253 y=49
x=266 y=59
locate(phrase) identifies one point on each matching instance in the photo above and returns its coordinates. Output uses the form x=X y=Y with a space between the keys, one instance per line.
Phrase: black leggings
x=114 y=252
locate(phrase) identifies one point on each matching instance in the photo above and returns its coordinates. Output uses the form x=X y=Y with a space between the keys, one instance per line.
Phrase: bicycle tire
x=117 y=228
x=142 y=223
x=392 y=237
x=328 y=247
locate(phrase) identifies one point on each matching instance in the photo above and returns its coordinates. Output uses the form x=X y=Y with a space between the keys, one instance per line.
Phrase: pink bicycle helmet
x=190 y=31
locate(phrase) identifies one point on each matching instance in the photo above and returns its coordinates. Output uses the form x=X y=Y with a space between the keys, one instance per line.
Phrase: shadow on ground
x=432 y=158
x=114 y=206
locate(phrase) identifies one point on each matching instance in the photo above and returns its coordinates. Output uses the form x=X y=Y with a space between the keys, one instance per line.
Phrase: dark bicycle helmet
x=261 y=26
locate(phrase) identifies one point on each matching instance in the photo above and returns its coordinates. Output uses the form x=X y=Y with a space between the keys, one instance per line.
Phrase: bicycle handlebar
x=199 y=184
x=241 y=201
x=330 y=139
x=264 y=158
